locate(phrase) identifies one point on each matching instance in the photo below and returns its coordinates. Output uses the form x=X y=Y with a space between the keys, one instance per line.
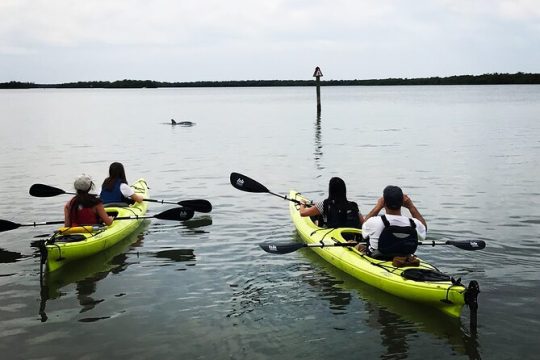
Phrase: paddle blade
x=6 y=225
x=468 y=244
x=176 y=214
x=42 y=190
x=198 y=205
x=244 y=183
x=281 y=248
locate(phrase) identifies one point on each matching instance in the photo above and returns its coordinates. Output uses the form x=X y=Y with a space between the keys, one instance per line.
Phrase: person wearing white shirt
x=392 y=201
x=115 y=188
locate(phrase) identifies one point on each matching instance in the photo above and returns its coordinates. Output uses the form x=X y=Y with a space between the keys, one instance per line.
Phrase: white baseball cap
x=83 y=183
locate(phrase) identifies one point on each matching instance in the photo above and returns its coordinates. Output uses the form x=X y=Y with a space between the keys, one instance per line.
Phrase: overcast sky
x=52 y=41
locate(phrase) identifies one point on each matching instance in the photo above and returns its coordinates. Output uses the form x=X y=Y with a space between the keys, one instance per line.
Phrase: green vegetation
x=486 y=79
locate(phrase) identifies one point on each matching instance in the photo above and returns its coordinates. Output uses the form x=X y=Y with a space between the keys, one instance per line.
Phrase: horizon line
x=487 y=78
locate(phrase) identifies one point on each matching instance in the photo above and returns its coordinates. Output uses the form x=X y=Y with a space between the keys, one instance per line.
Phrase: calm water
x=468 y=156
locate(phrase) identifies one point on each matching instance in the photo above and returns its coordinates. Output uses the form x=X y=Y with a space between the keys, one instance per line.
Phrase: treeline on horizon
x=485 y=79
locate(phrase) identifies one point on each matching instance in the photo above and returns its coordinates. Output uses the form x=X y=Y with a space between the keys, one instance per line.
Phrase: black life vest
x=398 y=240
x=339 y=216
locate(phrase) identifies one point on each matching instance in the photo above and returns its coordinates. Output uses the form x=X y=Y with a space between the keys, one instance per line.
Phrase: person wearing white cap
x=85 y=208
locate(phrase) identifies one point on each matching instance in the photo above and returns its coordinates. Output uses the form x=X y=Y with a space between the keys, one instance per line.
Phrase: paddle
x=286 y=248
x=245 y=183
x=42 y=190
x=199 y=205
x=176 y=214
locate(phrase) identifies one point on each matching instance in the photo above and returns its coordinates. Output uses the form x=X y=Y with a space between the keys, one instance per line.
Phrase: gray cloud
x=168 y=40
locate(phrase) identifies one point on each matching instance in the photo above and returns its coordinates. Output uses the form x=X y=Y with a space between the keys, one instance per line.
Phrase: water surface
x=467 y=155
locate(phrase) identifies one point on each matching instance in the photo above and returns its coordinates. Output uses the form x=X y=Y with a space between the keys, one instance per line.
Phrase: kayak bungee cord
x=329 y=231
x=391 y=268
x=132 y=211
x=141 y=189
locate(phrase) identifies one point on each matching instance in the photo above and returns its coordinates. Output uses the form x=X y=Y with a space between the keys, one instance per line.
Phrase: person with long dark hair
x=336 y=210
x=115 y=188
x=85 y=208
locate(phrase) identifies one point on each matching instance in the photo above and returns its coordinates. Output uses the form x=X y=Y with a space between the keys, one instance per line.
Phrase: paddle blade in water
x=42 y=190
x=176 y=214
x=244 y=183
x=281 y=248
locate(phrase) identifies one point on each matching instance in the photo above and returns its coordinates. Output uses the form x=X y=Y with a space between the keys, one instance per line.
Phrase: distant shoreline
x=485 y=79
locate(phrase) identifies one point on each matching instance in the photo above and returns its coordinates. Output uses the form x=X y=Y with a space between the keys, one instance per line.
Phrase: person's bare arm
x=407 y=202
x=376 y=209
x=308 y=211
x=103 y=215
x=67 y=219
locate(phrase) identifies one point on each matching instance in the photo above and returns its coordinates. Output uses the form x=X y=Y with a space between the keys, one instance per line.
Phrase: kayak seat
x=112 y=213
x=70 y=238
x=352 y=236
x=116 y=204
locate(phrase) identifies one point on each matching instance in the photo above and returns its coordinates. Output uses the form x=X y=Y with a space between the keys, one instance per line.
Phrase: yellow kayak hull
x=71 y=244
x=447 y=296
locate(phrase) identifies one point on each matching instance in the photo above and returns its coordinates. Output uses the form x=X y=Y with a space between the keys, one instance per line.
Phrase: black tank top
x=341 y=216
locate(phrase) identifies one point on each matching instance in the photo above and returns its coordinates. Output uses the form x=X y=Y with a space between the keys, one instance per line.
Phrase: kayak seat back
x=116 y=204
x=352 y=235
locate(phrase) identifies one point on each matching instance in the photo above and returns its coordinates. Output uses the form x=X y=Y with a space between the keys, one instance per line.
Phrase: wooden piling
x=317 y=75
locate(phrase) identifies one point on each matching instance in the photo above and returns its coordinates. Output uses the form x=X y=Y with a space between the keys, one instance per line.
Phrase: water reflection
x=393 y=333
x=330 y=289
x=86 y=274
x=318 y=142
x=397 y=320
x=176 y=254
x=7 y=256
x=190 y=226
x=198 y=222
x=246 y=297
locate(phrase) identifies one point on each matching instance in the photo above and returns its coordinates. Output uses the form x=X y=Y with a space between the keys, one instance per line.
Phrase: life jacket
x=84 y=216
x=114 y=195
x=398 y=240
x=338 y=216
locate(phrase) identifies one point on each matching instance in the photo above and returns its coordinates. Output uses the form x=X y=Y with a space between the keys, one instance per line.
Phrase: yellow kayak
x=70 y=244
x=423 y=283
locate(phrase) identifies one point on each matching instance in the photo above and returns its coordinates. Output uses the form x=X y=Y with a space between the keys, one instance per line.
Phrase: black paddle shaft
x=285 y=248
x=174 y=214
x=199 y=205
